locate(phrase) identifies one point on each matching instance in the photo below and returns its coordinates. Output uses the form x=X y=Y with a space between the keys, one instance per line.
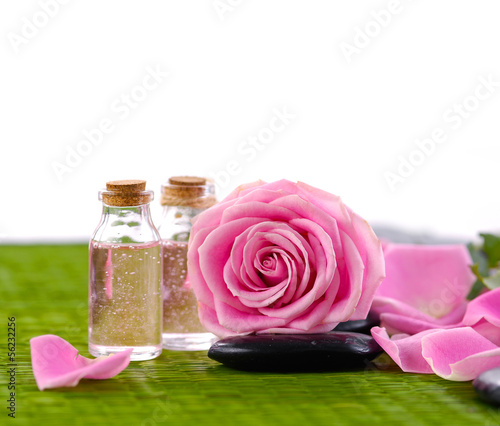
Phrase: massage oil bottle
x=125 y=302
x=183 y=197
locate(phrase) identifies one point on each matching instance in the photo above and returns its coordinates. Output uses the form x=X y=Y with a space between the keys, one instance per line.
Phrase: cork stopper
x=122 y=193
x=189 y=191
x=187 y=181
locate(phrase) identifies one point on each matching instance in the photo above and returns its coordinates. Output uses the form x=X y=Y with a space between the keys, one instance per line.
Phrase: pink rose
x=282 y=257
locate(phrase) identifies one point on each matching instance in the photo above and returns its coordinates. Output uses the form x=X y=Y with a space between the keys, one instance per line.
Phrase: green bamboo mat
x=45 y=288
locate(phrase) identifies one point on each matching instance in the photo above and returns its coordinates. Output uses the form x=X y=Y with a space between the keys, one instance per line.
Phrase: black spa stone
x=359 y=326
x=334 y=351
x=487 y=385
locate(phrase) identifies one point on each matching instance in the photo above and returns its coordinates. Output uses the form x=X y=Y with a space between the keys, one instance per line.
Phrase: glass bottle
x=125 y=303
x=183 y=197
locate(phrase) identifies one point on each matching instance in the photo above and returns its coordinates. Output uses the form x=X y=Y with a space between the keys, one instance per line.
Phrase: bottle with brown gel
x=125 y=303
x=183 y=197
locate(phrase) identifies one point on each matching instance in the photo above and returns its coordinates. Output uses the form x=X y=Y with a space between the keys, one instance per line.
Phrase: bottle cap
x=189 y=191
x=122 y=193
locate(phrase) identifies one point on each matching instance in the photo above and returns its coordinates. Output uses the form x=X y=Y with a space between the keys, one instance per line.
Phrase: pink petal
x=195 y=276
x=242 y=189
x=352 y=282
x=213 y=255
x=486 y=306
x=325 y=268
x=310 y=212
x=409 y=324
x=321 y=328
x=324 y=254
x=370 y=250
x=56 y=363
x=432 y=279
x=332 y=215
x=243 y=322
x=459 y=354
x=253 y=299
x=406 y=351
x=317 y=316
x=259 y=208
x=299 y=247
x=488 y=330
x=209 y=320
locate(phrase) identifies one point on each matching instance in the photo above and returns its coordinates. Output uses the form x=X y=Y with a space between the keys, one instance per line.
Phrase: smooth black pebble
x=487 y=385
x=334 y=351
x=359 y=326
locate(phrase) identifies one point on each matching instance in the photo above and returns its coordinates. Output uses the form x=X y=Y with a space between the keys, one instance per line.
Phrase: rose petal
x=322 y=247
x=317 y=314
x=327 y=206
x=350 y=290
x=259 y=209
x=459 y=354
x=253 y=299
x=325 y=269
x=213 y=255
x=406 y=351
x=321 y=328
x=485 y=306
x=195 y=276
x=370 y=250
x=240 y=190
x=432 y=279
x=309 y=212
x=488 y=330
x=56 y=363
x=243 y=322
x=409 y=324
x=209 y=320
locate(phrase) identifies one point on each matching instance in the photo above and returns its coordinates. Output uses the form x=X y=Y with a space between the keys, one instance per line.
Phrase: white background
x=356 y=114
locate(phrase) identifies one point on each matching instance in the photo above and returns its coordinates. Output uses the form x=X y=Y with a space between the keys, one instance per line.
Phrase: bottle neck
x=176 y=222
x=126 y=225
x=142 y=211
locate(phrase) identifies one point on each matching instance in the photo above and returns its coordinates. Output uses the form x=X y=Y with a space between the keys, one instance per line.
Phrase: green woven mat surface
x=45 y=288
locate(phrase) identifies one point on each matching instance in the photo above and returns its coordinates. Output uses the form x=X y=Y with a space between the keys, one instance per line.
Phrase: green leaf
x=491 y=248
x=479 y=258
x=492 y=281
x=478 y=285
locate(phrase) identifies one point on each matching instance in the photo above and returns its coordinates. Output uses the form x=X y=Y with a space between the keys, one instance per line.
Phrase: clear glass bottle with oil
x=125 y=303
x=183 y=197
